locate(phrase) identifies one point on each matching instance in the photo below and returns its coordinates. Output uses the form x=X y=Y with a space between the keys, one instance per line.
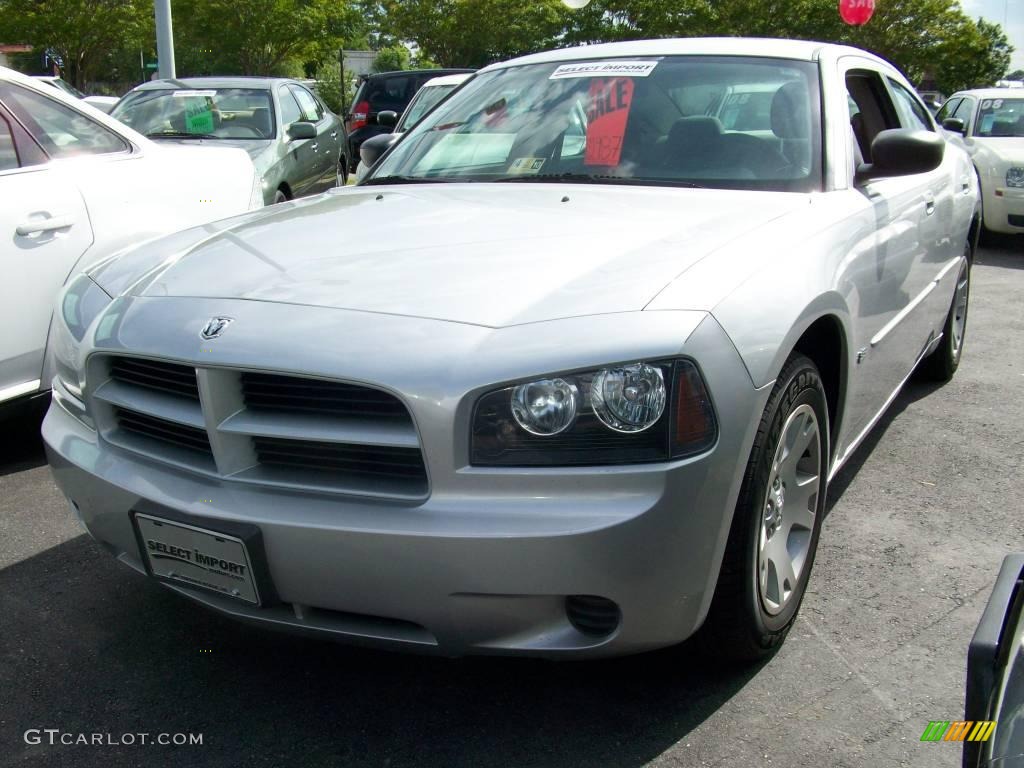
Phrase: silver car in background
x=588 y=398
x=296 y=143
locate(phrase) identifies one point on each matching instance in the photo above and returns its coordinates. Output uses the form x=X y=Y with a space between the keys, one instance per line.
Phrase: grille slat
x=174 y=378
x=169 y=432
x=341 y=459
x=267 y=391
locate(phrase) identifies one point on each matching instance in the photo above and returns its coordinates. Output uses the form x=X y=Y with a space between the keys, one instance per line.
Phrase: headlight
x=637 y=412
x=1015 y=177
x=545 y=407
x=629 y=399
x=79 y=304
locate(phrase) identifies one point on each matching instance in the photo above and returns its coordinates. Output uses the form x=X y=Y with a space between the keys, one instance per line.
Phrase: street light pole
x=164 y=38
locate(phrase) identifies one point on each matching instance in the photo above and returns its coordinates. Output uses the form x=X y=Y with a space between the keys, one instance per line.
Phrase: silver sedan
x=638 y=302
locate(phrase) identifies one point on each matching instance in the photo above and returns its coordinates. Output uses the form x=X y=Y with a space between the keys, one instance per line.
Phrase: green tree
x=260 y=37
x=88 y=36
x=391 y=59
x=923 y=37
x=1017 y=74
x=472 y=33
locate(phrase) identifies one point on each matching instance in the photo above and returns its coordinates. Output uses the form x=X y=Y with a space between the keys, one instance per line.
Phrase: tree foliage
x=931 y=40
x=259 y=37
x=472 y=33
x=89 y=37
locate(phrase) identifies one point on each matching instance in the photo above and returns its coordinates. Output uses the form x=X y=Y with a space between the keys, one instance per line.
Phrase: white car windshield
x=421 y=104
x=1000 y=117
x=208 y=113
x=725 y=122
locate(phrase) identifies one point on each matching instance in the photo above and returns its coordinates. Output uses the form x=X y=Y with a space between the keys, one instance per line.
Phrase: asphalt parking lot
x=918 y=524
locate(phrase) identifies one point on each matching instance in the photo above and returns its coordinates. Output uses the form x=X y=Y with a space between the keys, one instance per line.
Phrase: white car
x=991 y=122
x=76 y=186
x=427 y=97
x=102 y=103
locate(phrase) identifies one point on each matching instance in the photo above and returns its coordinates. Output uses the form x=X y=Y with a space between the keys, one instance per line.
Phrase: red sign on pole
x=856 y=12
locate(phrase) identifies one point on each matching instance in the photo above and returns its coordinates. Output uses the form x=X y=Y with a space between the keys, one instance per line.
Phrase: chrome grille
x=261 y=428
x=267 y=391
x=172 y=378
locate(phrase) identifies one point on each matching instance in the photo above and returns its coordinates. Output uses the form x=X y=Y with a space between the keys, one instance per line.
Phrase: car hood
x=1008 y=149
x=253 y=147
x=485 y=254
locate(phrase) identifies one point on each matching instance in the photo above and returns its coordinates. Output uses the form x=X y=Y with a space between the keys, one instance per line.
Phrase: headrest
x=789 y=111
x=698 y=129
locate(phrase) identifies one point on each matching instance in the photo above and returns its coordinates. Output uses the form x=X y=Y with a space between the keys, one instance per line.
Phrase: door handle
x=313 y=146
x=32 y=226
x=929 y=207
x=334 y=134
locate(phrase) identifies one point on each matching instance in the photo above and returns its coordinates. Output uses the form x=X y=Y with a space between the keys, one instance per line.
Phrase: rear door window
x=390 y=93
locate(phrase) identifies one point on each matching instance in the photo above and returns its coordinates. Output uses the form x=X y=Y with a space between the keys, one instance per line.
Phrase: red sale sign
x=610 y=99
x=856 y=12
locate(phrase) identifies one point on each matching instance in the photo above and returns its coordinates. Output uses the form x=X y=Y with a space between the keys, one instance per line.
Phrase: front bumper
x=485 y=563
x=1003 y=209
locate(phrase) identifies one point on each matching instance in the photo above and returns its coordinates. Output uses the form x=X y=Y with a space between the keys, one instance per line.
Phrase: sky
x=1009 y=13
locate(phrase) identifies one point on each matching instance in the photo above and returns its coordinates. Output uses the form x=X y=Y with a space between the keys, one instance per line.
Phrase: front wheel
x=775 y=528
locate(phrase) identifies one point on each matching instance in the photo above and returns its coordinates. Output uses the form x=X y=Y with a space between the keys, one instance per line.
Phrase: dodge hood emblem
x=215 y=327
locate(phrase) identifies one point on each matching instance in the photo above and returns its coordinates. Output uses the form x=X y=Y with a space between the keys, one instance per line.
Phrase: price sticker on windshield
x=610 y=100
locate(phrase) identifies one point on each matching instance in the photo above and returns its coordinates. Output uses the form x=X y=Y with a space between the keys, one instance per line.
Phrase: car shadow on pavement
x=1006 y=251
x=915 y=389
x=21 y=447
x=88 y=646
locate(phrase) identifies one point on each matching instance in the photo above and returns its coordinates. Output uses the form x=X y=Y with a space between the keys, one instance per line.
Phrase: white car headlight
x=1015 y=177
x=630 y=398
x=545 y=407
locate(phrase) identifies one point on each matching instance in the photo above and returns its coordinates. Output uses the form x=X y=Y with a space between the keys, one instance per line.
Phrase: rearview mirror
x=902 y=152
x=371 y=149
x=954 y=124
x=302 y=130
x=387 y=118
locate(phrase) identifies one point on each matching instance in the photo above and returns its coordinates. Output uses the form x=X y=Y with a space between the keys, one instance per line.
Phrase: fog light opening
x=593 y=615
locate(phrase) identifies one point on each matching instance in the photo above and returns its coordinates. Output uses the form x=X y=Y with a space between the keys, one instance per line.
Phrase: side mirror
x=388 y=118
x=902 y=152
x=954 y=124
x=371 y=149
x=302 y=130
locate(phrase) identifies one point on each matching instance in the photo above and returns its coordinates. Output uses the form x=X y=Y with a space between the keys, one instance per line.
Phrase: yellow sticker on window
x=526 y=165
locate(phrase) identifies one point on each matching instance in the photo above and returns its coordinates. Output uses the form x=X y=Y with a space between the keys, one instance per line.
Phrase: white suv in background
x=75 y=186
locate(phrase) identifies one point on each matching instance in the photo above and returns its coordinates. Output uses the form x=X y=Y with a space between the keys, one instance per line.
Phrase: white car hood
x=485 y=254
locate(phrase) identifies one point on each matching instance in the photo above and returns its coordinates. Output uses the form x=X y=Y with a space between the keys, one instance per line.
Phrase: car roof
x=263 y=83
x=447 y=80
x=436 y=72
x=991 y=93
x=805 y=50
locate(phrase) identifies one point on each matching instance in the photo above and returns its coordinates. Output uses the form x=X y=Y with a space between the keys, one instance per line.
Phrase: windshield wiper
x=406 y=180
x=596 y=178
x=179 y=135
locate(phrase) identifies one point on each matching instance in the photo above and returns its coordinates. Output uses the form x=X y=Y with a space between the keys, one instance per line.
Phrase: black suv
x=380 y=92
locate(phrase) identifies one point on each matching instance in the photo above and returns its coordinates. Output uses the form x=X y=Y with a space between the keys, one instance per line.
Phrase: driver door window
x=60 y=130
x=290 y=112
x=307 y=104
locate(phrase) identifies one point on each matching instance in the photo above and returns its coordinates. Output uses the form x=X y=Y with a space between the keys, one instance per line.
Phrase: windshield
x=725 y=122
x=208 y=113
x=67 y=88
x=422 y=103
x=1000 y=117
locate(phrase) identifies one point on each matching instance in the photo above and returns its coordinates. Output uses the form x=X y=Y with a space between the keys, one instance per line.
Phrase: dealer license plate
x=197 y=557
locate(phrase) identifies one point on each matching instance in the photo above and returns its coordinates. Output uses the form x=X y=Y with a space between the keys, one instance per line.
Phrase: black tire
x=280 y=196
x=738 y=626
x=942 y=362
